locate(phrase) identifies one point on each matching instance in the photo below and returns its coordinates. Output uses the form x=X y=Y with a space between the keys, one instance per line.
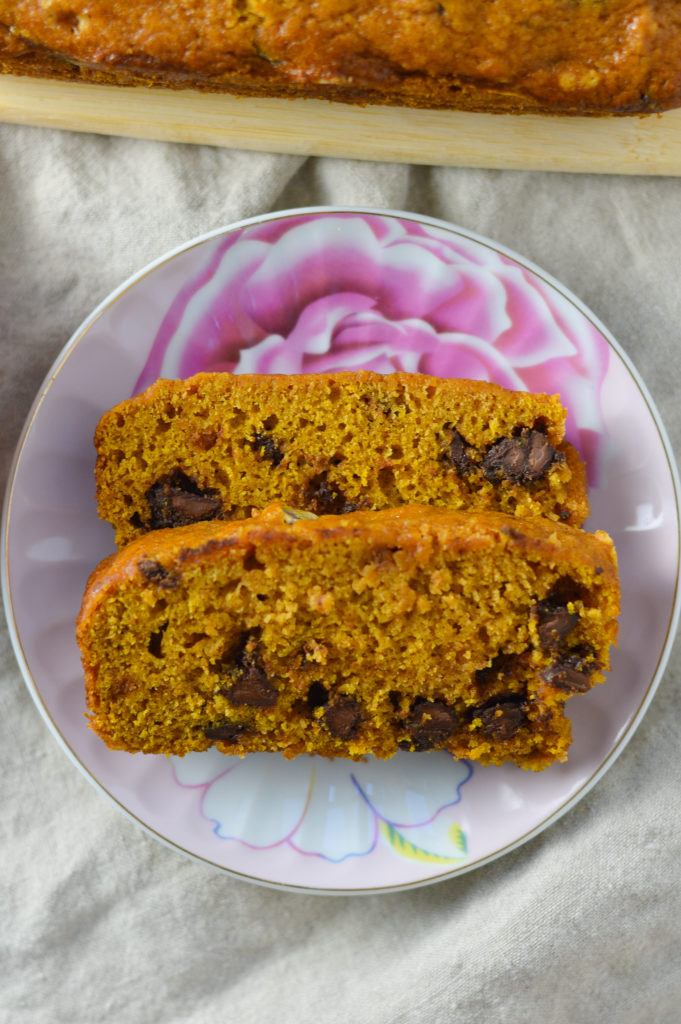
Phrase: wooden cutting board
x=631 y=145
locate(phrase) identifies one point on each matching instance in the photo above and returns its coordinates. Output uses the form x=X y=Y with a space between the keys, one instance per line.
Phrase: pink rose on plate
x=313 y=293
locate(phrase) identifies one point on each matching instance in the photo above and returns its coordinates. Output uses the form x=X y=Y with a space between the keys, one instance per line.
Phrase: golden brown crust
x=218 y=444
x=414 y=627
x=550 y=56
x=410 y=526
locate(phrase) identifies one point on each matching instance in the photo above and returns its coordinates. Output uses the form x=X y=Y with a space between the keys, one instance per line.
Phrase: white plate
x=310 y=290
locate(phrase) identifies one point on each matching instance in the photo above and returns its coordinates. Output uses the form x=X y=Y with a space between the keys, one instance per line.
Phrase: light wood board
x=631 y=145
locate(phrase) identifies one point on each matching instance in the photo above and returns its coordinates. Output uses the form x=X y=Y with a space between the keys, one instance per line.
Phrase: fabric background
x=101 y=923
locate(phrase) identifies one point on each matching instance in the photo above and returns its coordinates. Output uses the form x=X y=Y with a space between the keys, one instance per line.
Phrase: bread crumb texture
x=414 y=628
x=218 y=445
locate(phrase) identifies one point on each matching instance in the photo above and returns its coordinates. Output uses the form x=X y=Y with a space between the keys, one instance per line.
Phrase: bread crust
x=588 y=57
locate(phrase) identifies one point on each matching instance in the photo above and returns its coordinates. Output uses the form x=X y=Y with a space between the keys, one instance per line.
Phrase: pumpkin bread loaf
x=410 y=628
x=543 y=56
x=218 y=445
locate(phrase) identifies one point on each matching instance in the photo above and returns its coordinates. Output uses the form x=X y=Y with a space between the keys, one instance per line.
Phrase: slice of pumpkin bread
x=408 y=628
x=218 y=445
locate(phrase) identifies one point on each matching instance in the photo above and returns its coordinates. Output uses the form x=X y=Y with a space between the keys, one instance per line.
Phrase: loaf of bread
x=546 y=56
x=408 y=628
x=217 y=445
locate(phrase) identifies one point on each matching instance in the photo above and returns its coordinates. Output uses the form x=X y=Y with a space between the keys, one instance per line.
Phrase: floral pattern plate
x=312 y=290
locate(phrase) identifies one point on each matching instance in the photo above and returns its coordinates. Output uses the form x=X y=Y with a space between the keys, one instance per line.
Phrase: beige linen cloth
x=101 y=923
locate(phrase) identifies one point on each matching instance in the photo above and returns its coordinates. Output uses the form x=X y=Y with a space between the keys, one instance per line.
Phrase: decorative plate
x=312 y=290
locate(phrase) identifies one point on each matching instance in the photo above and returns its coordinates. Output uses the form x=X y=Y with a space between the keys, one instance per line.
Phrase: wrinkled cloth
x=103 y=923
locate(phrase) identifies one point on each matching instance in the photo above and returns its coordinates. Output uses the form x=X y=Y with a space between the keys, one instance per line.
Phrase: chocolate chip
x=522 y=459
x=251 y=686
x=324 y=498
x=177 y=500
x=265 y=446
x=502 y=717
x=458 y=454
x=571 y=673
x=554 y=622
x=343 y=717
x=566 y=590
x=154 y=572
x=430 y=724
x=226 y=732
x=252 y=689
